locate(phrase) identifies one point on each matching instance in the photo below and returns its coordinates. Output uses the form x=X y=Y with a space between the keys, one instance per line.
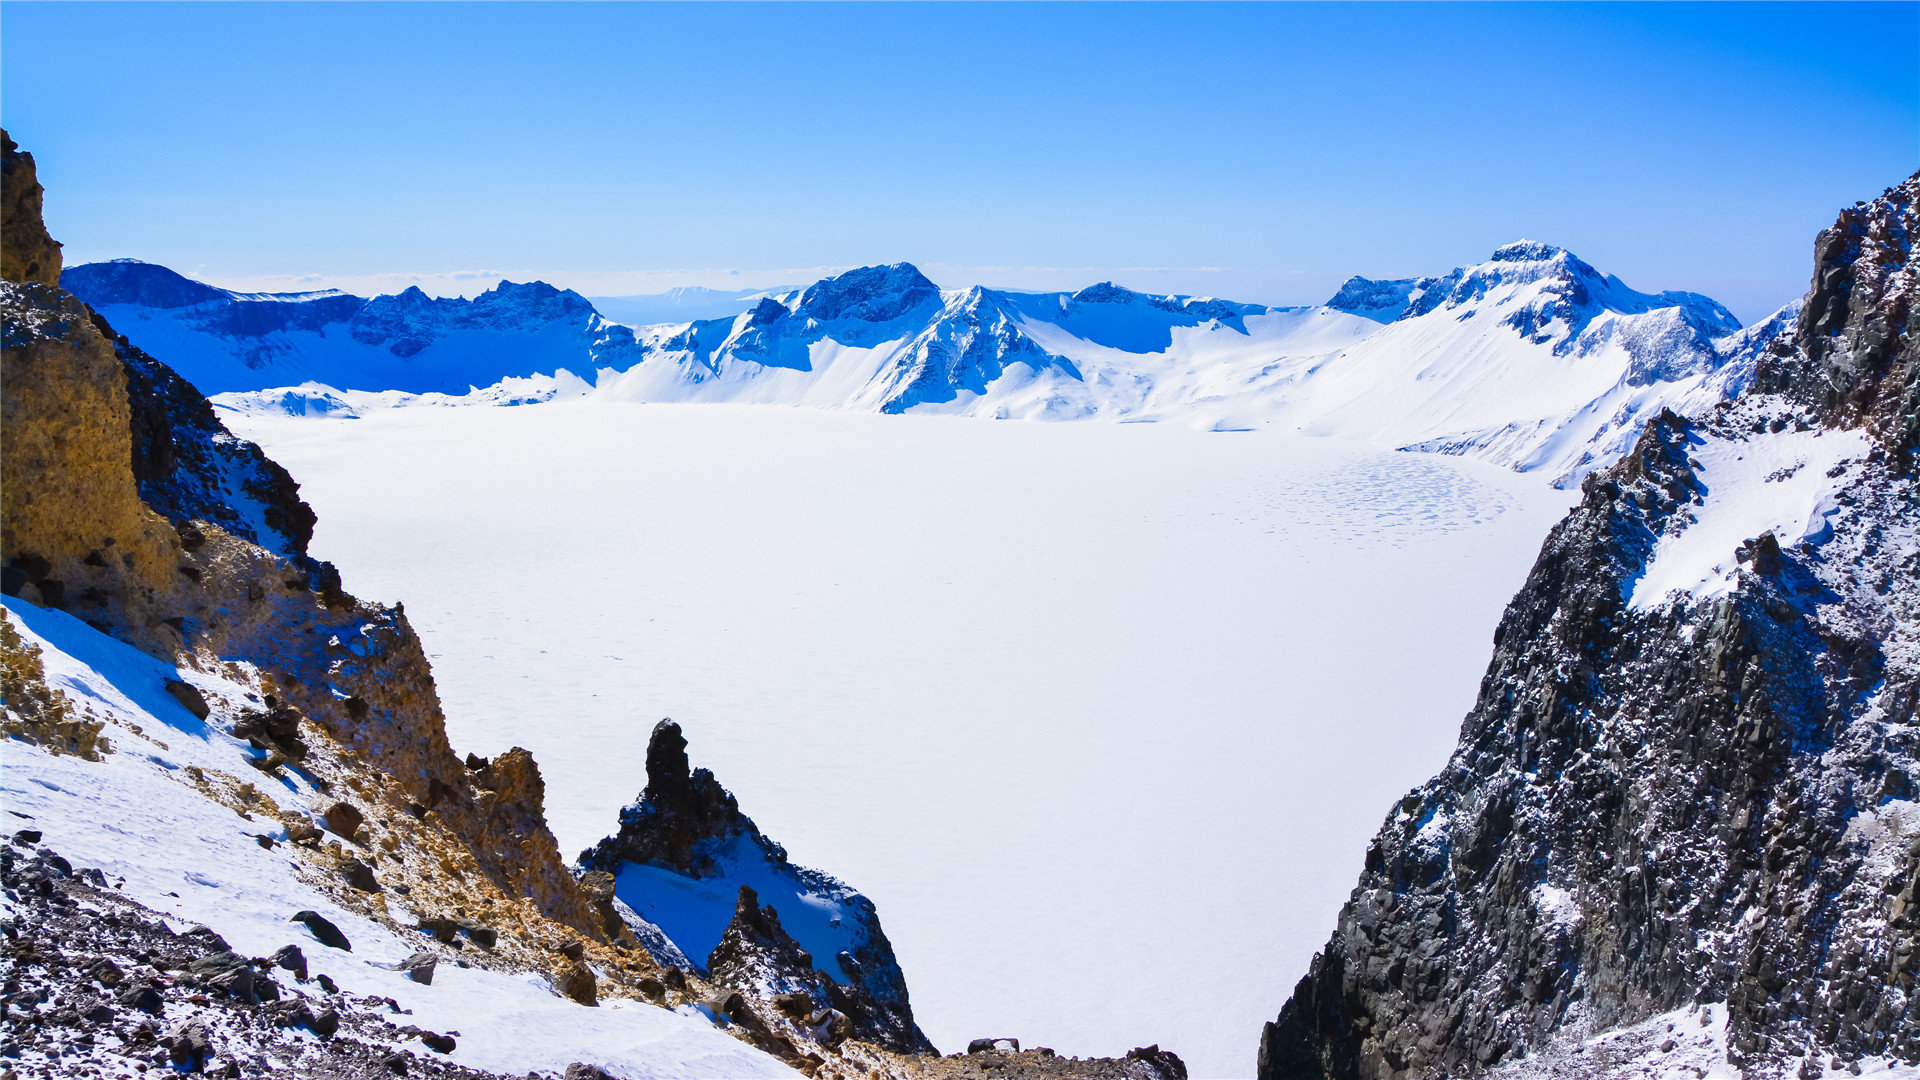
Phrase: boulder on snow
x=290 y=958
x=983 y=1046
x=323 y=931
x=577 y=982
x=189 y=1045
x=582 y=1071
x=419 y=967
x=189 y=698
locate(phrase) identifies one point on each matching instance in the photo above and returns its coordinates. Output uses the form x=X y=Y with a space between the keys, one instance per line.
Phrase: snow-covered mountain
x=1533 y=360
x=221 y=340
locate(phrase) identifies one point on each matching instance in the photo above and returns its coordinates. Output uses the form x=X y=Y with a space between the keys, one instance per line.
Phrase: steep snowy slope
x=226 y=341
x=1533 y=360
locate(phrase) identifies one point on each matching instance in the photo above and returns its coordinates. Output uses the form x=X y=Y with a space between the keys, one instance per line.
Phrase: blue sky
x=1258 y=152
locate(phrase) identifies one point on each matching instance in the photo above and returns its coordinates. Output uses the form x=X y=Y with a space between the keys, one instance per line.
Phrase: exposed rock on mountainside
x=129 y=505
x=1688 y=786
x=214 y=645
x=686 y=834
x=27 y=253
x=100 y=985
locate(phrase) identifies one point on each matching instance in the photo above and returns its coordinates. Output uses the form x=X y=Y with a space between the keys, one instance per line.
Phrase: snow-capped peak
x=870 y=294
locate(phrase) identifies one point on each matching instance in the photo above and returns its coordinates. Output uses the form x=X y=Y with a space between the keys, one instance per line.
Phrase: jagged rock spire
x=27 y=254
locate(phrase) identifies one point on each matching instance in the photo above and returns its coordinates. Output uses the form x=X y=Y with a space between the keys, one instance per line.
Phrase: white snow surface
x=1776 y=483
x=187 y=856
x=1100 y=716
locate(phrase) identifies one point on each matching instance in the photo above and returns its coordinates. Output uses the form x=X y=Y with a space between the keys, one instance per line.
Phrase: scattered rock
x=581 y=1071
x=419 y=967
x=437 y=1042
x=323 y=931
x=345 y=819
x=189 y=698
x=1165 y=1063
x=325 y=1022
x=359 y=875
x=983 y=1046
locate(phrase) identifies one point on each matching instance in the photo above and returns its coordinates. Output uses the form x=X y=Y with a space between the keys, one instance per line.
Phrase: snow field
x=1100 y=716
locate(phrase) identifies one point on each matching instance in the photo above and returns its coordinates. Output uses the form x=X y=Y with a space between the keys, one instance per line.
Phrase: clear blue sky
x=1258 y=152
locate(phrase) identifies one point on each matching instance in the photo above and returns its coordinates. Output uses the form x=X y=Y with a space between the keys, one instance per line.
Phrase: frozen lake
x=1101 y=716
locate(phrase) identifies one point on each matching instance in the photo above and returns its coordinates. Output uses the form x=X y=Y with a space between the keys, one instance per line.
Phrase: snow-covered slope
x=150 y=814
x=227 y=341
x=1533 y=360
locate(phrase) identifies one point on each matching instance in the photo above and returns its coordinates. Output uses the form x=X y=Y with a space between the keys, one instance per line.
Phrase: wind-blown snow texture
x=1533 y=360
x=1690 y=775
x=1098 y=715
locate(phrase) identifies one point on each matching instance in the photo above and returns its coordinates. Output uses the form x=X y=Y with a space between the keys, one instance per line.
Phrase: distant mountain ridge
x=1533 y=360
x=222 y=340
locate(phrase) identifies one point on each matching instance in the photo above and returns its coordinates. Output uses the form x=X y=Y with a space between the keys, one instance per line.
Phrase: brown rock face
x=117 y=503
x=27 y=253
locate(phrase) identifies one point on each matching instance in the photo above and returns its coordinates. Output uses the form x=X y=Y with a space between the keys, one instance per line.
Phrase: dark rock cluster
x=685 y=821
x=92 y=983
x=1702 y=801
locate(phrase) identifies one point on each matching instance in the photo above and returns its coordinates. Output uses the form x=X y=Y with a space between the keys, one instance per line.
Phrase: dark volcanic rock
x=323 y=931
x=1699 y=799
x=686 y=822
x=757 y=955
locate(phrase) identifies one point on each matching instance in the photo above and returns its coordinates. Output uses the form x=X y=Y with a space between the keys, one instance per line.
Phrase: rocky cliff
x=685 y=836
x=128 y=505
x=1684 y=802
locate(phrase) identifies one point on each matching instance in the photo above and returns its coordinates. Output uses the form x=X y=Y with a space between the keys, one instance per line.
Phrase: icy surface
x=1100 y=716
x=182 y=854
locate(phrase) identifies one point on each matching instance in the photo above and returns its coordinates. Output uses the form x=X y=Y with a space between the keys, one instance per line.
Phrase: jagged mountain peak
x=1524 y=250
x=1381 y=300
x=868 y=293
x=687 y=862
x=1685 y=791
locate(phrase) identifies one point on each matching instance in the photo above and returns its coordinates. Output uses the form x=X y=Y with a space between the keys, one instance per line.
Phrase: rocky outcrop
x=1699 y=798
x=27 y=253
x=1853 y=358
x=687 y=824
x=124 y=501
